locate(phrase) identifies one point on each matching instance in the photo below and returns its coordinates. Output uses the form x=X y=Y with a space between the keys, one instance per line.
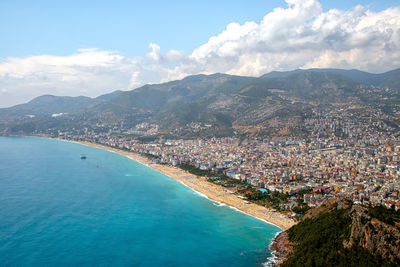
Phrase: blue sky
x=95 y=47
x=61 y=27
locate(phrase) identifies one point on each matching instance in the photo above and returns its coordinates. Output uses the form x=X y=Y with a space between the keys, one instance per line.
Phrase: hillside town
x=363 y=167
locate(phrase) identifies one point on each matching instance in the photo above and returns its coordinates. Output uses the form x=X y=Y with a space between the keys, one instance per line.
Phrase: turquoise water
x=108 y=210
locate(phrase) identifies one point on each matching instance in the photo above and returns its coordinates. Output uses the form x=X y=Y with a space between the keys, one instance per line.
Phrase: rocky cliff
x=338 y=233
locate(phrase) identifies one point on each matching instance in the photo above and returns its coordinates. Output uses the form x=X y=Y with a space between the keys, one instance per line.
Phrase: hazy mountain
x=107 y=97
x=354 y=75
x=47 y=105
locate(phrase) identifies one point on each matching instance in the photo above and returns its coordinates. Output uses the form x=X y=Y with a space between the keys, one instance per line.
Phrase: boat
x=83 y=156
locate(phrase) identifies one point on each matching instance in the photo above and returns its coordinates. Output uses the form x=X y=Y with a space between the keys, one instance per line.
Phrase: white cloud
x=300 y=35
x=155 y=52
x=87 y=72
x=135 y=80
x=20 y=67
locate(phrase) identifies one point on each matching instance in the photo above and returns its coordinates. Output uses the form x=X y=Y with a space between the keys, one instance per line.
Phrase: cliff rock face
x=373 y=235
x=282 y=247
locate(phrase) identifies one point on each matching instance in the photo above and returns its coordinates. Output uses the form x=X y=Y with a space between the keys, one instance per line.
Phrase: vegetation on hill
x=389 y=216
x=341 y=234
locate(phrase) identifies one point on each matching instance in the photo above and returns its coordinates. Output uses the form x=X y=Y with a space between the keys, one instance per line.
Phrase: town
x=288 y=174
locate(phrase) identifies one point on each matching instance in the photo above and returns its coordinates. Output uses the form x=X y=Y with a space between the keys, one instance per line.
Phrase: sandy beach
x=212 y=191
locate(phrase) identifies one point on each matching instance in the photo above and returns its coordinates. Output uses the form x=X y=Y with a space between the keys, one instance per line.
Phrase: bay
x=59 y=210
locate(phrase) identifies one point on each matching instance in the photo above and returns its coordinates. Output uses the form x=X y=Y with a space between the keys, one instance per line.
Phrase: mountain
x=234 y=103
x=219 y=99
x=320 y=85
x=107 y=97
x=47 y=105
x=339 y=233
x=390 y=77
x=275 y=104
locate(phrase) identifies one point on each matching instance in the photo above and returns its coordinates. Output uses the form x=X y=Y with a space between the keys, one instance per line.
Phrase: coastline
x=203 y=187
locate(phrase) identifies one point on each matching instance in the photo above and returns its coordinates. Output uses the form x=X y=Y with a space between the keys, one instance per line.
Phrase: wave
x=273 y=259
x=218 y=204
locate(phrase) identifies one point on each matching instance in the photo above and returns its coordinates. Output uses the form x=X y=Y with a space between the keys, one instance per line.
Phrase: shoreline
x=204 y=188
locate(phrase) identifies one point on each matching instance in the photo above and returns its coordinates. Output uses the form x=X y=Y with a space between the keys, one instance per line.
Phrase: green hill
x=341 y=234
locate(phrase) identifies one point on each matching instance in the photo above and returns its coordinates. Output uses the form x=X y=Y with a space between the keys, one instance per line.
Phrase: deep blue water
x=108 y=210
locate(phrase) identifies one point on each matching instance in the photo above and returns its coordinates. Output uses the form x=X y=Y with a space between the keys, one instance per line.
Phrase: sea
x=57 y=209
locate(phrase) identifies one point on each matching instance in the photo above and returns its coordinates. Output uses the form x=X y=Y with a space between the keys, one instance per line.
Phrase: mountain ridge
x=275 y=103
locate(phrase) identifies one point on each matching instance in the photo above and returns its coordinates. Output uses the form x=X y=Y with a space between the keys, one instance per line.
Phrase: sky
x=95 y=47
